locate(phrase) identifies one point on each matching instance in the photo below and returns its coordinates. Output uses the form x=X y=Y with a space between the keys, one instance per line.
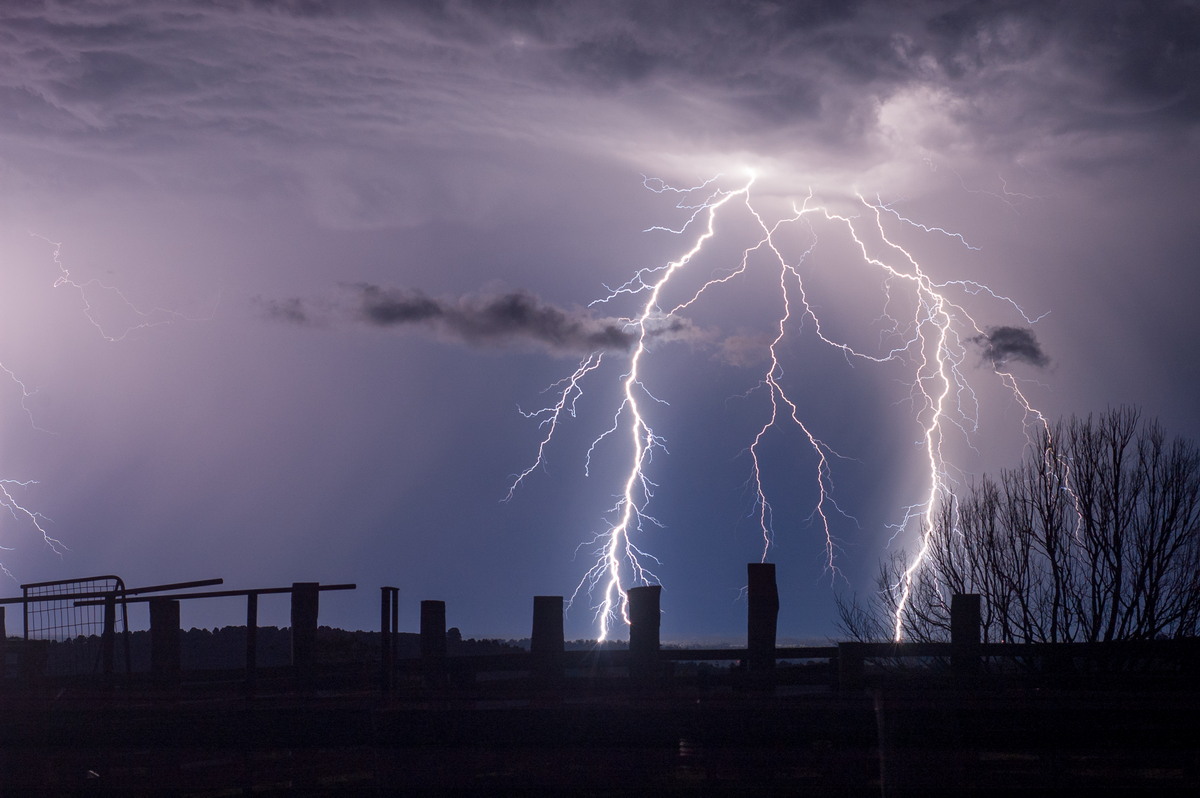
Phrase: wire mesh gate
x=79 y=639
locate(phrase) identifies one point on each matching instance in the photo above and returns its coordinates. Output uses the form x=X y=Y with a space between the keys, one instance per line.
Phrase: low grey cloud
x=515 y=318
x=1002 y=345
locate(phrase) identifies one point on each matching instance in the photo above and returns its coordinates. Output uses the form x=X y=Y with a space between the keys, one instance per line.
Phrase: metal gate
x=79 y=639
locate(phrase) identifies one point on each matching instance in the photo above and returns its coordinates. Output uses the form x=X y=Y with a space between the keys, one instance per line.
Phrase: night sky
x=352 y=242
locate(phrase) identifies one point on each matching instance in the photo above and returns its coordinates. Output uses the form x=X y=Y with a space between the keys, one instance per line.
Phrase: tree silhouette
x=1095 y=536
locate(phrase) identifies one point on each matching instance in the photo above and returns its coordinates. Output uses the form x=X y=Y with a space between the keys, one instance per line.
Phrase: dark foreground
x=898 y=740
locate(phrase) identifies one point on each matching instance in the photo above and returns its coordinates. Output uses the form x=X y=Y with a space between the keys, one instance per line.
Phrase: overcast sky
x=353 y=241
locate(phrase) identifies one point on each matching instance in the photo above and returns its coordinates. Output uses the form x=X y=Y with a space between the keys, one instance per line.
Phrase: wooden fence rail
x=305 y=602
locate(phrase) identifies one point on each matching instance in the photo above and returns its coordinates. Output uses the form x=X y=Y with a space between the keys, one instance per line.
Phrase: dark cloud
x=1011 y=76
x=511 y=319
x=506 y=319
x=1096 y=59
x=1002 y=345
x=387 y=308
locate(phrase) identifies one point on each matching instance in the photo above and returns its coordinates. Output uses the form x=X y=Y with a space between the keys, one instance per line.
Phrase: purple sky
x=332 y=213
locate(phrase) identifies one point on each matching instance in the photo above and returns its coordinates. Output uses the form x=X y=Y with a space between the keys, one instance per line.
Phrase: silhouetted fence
x=73 y=606
x=963 y=661
x=548 y=665
x=164 y=626
x=88 y=608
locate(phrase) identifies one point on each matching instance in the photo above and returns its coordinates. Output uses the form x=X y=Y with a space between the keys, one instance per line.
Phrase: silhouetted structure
x=547 y=644
x=305 y=606
x=644 y=620
x=762 y=616
x=1029 y=715
x=433 y=641
x=965 y=626
x=389 y=627
x=165 y=656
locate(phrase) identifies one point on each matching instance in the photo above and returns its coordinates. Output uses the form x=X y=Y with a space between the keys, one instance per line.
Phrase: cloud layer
x=313 y=94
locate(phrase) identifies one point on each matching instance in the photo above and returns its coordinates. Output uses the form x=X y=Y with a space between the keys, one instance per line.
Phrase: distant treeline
x=224 y=648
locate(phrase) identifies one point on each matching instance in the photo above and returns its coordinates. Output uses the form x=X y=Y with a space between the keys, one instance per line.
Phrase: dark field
x=600 y=737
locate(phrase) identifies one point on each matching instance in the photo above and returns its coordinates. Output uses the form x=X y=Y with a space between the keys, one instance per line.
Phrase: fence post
x=251 y=642
x=433 y=641
x=644 y=621
x=108 y=639
x=965 y=632
x=164 y=637
x=762 y=616
x=305 y=603
x=389 y=601
x=547 y=644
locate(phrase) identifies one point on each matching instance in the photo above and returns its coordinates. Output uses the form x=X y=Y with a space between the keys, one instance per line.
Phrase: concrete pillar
x=164 y=637
x=762 y=616
x=644 y=621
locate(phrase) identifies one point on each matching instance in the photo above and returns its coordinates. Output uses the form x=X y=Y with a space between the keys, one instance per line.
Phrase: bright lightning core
x=921 y=325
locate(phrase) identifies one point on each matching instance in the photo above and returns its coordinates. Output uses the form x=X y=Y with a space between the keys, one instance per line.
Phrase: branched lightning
x=85 y=290
x=568 y=394
x=930 y=339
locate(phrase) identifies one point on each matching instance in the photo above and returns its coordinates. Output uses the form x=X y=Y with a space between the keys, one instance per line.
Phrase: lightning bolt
x=86 y=292
x=930 y=339
x=549 y=417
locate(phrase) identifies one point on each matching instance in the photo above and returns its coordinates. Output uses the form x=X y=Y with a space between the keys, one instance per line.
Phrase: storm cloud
x=122 y=90
x=1002 y=345
x=511 y=319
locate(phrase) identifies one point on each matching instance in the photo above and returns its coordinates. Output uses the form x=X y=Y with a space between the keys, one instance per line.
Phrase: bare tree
x=1095 y=536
